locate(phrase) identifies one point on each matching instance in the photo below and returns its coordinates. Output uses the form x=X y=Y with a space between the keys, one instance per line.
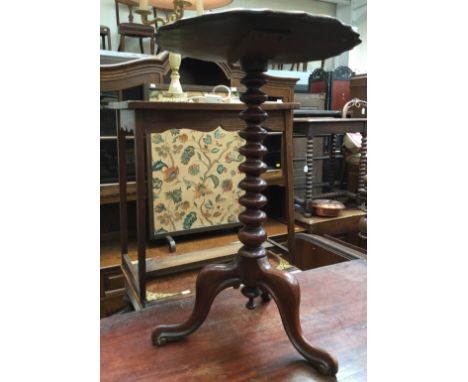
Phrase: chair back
x=130 y=5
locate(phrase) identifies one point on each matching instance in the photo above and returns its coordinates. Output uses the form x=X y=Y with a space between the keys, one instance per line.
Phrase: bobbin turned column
x=252 y=235
x=309 y=175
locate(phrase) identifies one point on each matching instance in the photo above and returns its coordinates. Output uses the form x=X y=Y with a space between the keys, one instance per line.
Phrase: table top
x=151 y=105
x=169 y=4
x=276 y=36
x=329 y=125
x=328 y=120
x=316 y=113
x=226 y=348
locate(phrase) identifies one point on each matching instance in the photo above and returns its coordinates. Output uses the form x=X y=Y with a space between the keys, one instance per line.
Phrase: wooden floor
x=110 y=250
x=236 y=344
x=174 y=281
x=183 y=283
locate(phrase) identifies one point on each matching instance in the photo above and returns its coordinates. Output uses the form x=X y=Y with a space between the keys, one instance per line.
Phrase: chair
x=132 y=29
x=105 y=32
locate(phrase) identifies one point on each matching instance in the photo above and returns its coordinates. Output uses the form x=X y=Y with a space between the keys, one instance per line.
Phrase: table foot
x=211 y=280
x=284 y=289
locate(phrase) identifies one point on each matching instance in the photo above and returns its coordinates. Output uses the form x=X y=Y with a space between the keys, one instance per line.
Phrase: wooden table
x=236 y=344
x=255 y=38
x=312 y=127
x=143 y=118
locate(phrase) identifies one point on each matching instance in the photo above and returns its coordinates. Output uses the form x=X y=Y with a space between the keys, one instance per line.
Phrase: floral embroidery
x=227 y=185
x=195 y=179
x=170 y=173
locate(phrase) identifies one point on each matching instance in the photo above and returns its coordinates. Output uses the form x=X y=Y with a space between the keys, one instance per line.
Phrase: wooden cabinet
x=112 y=290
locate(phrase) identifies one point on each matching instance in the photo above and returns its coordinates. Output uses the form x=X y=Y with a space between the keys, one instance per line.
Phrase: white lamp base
x=175 y=88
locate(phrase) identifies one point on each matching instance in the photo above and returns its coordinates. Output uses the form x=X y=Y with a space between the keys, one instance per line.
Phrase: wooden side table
x=255 y=38
x=311 y=127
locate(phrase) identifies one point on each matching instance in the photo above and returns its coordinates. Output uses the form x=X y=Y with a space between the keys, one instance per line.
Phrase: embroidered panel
x=195 y=179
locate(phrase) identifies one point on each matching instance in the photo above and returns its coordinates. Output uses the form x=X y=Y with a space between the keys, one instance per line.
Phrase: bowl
x=327 y=207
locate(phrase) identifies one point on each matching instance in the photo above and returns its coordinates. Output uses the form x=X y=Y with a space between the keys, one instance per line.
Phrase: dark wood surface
x=236 y=344
x=317 y=126
x=150 y=105
x=276 y=36
x=135 y=72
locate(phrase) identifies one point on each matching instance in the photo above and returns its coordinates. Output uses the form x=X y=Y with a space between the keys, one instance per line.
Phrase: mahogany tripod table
x=255 y=38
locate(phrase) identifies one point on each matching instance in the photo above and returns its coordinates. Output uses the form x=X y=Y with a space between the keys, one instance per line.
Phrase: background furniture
x=358 y=89
x=145 y=118
x=313 y=127
x=119 y=81
x=316 y=251
x=220 y=350
x=348 y=225
x=344 y=227
x=127 y=76
x=132 y=29
x=319 y=149
x=261 y=41
x=105 y=34
x=335 y=84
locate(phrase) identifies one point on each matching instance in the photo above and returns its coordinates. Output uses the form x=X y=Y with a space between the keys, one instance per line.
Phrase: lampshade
x=207 y=4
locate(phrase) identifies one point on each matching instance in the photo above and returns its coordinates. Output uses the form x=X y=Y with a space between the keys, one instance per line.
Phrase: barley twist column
x=252 y=235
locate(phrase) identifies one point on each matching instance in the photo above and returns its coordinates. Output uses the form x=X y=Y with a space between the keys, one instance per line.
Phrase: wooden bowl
x=327 y=207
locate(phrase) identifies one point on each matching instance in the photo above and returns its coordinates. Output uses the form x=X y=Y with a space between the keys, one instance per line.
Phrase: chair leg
x=141 y=46
x=122 y=43
x=109 y=46
x=152 y=42
x=103 y=41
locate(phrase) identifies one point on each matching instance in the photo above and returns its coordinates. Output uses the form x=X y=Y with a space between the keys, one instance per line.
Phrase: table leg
x=309 y=175
x=141 y=207
x=362 y=167
x=288 y=173
x=122 y=165
x=332 y=166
